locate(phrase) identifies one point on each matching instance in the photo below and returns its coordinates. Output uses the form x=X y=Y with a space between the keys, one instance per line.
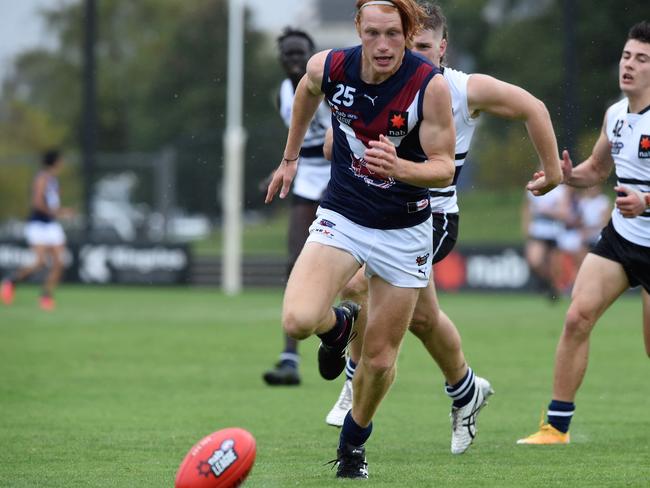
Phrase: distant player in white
x=43 y=232
x=296 y=47
x=544 y=222
x=621 y=258
x=471 y=95
x=595 y=209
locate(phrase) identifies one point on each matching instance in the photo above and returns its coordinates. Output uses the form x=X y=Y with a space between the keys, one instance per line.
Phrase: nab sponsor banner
x=498 y=268
x=111 y=263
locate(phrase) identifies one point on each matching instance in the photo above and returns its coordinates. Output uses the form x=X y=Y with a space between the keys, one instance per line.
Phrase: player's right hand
x=567 y=166
x=281 y=180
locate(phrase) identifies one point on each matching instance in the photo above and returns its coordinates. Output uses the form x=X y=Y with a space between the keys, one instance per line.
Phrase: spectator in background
x=569 y=244
x=43 y=232
x=543 y=222
x=296 y=47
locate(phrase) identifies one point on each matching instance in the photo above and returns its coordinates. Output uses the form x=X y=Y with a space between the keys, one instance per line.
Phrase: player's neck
x=638 y=102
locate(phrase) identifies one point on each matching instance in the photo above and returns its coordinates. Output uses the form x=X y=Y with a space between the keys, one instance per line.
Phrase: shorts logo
x=644 y=147
x=220 y=460
x=397 y=124
x=422 y=260
x=327 y=223
x=325 y=232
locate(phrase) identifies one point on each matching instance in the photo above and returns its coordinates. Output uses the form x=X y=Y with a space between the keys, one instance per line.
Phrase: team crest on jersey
x=361 y=170
x=398 y=124
x=644 y=147
x=422 y=260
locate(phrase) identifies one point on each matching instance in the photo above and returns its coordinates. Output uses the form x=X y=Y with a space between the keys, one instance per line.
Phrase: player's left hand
x=539 y=185
x=381 y=158
x=632 y=204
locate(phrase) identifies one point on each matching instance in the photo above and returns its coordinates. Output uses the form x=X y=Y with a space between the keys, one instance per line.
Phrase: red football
x=221 y=460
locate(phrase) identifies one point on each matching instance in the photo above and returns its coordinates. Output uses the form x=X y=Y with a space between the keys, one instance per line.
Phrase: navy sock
x=352 y=433
x=559 y=414
x=332 y=336
x=463 y=391
x=350 y=368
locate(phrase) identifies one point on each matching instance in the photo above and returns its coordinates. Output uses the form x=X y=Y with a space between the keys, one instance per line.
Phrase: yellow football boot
x=547 y=434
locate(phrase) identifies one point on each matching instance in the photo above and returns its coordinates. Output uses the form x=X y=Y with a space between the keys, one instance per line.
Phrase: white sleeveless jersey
x=629 y=137
x=543 y=225
x=444 y=200
x=592 y=209
x=315 y=136
x=313 y=169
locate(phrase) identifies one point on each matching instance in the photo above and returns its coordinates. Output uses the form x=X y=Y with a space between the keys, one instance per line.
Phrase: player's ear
x=443 y=48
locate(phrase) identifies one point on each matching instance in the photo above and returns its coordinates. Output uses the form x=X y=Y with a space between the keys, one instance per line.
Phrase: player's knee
x=421 y=325
x=298 y=325
x=379 y=364
x=578 y=322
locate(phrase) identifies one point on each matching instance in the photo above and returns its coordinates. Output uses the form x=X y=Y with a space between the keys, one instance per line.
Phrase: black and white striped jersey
x=629 y=137
x=444 y=200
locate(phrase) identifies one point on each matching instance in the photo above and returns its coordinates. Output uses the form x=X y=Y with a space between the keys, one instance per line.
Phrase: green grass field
x=115 y=386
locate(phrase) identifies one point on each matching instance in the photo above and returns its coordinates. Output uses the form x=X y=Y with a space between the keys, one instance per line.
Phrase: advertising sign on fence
x=156 y=264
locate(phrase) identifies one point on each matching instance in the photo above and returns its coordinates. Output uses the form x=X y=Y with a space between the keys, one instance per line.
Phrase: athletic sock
x=350 y=368
x=290 y=359
x=352 y=433
x=463 y=391
x=333 y=336
x=559 y=414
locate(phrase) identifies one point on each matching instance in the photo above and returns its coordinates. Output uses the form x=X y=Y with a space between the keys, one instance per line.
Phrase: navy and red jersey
x=360 y=113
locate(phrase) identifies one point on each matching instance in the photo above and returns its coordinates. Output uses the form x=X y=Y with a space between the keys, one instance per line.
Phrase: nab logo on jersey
x=397 y=124
x=644 y=147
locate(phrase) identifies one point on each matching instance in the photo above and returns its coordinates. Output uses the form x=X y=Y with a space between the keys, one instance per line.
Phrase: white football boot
x=463 y=419
x=341 y=407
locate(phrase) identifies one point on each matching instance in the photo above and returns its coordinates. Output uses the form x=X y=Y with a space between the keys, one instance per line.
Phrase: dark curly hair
x=51 y=157
x=291 y=32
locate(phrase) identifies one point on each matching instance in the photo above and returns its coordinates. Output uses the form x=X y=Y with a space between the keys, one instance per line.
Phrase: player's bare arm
x=593 y=170
x=496 y=97
x=438 y=140
x=328 y=144
x=307 y=99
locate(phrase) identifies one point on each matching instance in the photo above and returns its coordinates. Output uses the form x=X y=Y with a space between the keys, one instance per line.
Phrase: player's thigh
x=535 y=252
x=357 y=287
x=389 y=312
x=426 y=308
x=40 y=254
x=57 y=254
x=317 y=277
x=600 y=281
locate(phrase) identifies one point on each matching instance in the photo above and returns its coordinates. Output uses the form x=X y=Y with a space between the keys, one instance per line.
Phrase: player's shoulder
x=456 y=79
x=618 y=106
